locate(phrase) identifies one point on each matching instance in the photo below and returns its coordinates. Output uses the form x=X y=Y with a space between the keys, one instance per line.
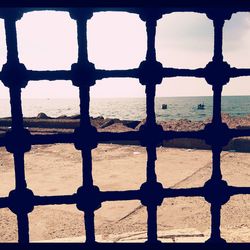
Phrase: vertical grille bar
x=17 y=124
x=151 y=122
x=217 y=84
x=85 y=124
x=218 y=38
x=11 y=39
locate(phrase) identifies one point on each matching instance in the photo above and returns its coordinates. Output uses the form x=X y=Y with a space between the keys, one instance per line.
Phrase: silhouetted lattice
x=83 y=74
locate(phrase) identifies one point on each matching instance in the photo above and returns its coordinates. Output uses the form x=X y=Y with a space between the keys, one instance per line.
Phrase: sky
x=47 y=40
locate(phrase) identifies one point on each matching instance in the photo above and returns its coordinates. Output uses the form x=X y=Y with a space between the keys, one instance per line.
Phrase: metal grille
x=83 y=74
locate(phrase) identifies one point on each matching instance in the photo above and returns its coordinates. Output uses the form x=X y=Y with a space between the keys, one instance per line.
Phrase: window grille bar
x=33 y=75
x=83 y=74
x=84 y=106
x=217 y=83
x=11 y=40
x=215 y=223
x=87 y=168
x=217 y=105
x=131 y=73
x=151 y=31
x=85 y=125
x=239 y=72
x=217 y=58
x=100 y=74
x=19 y=170
x=185 y=192
x=171 y=72
x=89 y=219
x=17 y=125
x=151 y=124
x=216 y=171
x=151 y=175
x=215 y=207
x=239 y=190
x=129 y=5
x=152 y=224
x=218 y=34
x=55 y=200
x=81 y=24
x=16 y=108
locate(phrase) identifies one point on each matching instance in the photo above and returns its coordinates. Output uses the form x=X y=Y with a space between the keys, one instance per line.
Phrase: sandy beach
x=56 y=169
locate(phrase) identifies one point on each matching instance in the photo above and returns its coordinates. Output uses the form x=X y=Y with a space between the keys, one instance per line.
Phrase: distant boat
x=201 y=106
x=164 y=106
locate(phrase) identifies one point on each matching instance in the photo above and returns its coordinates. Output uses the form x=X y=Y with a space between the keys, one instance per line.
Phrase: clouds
x=184 y=40
x=237 y=40
x=47 y=40
x=183 y=29
x=235 y=31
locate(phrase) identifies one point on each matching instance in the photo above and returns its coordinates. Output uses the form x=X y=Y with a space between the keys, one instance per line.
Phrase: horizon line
x=119 y=97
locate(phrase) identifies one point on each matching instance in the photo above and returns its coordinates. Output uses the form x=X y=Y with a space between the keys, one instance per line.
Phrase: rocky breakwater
x=42 y=124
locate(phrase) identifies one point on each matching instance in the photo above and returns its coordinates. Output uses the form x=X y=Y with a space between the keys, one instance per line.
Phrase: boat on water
x=201 y=106
x=164 y=106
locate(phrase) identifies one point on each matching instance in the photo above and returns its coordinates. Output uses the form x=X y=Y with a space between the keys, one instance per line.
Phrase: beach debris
x=109 y=122
x=190 y=149
x=42 y=116
x=136 y=153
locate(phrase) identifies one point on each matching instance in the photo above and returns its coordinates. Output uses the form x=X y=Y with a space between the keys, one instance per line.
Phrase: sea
x=133 y=108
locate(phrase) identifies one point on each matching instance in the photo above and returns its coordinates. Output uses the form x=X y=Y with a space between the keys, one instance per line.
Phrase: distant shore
x=43 y=124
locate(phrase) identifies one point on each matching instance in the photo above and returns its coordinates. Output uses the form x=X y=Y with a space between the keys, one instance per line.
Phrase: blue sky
x=47 y=41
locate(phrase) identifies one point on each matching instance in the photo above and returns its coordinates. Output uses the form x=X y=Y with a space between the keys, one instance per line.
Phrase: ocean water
x=133 y=108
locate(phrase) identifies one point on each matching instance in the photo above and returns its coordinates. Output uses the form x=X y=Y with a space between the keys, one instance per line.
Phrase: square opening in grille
x=116 y=40
x=47 y=40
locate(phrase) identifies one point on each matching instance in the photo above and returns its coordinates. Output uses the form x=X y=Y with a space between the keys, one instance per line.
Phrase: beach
x=56 y=170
